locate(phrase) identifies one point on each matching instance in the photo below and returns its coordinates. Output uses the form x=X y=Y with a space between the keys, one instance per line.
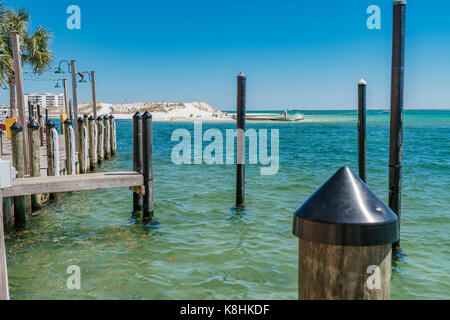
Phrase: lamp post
x=66 y=97
x=20 y=96
x=91 y=75
x=71 y=69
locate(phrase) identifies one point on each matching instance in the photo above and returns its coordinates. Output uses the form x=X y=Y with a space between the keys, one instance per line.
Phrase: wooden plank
x=67 y=183
x=4 y=294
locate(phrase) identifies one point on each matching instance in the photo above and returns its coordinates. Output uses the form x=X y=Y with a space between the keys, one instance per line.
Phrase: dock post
x=107 y=137
x=100 y=140
x=20 y=202
x=137 y=161
x=345 y=242
x=35 y=160
x=41 y=124
x=1 y=142
x=112 y=129
x=4 y=291
x=70 y=147
x=92 y=142
x=240 y=140
x=52 y=151
x=396 y=125
x=83 y=156
x=147 y=167
x=362 y=135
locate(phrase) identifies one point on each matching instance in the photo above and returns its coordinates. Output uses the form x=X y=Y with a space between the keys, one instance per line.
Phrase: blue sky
x=296 y=54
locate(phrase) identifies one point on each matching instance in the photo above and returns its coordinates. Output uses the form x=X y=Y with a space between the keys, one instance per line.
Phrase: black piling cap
x=146 y=115
x=242 y=75
x=85 y=115
x=16 y=127
x=111 y=117
x=91 y=117
x=33 y=124
x=80 y=120
x=105 y=117
x=68 y=121
x=99 y=118
x=137 y=115
x=51 y=124
x=344 y=211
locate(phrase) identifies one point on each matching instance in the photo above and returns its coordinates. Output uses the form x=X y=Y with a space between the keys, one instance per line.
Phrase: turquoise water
x=204 y=249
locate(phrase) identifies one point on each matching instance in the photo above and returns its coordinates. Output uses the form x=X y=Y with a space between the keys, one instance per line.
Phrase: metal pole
x=396 y=130
x=240 y=139
x=147 y=159
x=20 y=95
x=137 y=160
x=75 y=103
x=66 y=97
x=94 y=101
x=362 y=144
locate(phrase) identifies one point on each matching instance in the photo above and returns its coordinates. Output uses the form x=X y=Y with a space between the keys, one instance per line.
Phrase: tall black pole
x=362 y=144
x=396 y=131
x=137 y=160
x=240 y=138
x=147 y=159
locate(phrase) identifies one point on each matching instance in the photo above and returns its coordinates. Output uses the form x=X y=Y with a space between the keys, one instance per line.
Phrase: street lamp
x=59 y=70
x=82 y=75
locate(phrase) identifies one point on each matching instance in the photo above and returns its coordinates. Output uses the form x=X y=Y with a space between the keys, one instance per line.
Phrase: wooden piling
x=20 y=202
x=107 y=137
x=362 y=136
x=93 y=138
x=52 y=152
x=240 y=140
x=70 y=147
x=137 y=161
x=83 y=158
x=8 y=209
x=100 y=140
x=147 y=167
x=1 y=142
x=41 y=129
x=345 y=242
x=35 y=160
x=396 y=125
x=4 y=291
x=112 y=129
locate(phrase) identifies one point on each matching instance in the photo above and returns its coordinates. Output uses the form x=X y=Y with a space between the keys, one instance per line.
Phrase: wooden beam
x=4 y=294
x=79 y=182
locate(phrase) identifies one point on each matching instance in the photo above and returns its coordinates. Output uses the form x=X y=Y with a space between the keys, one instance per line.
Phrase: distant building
x=4 y=112
x=46 y=100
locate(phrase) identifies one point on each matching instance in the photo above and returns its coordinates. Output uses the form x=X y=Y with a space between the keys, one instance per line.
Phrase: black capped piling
x=83 y=156
x=70 y=147
x=345 y=241
x=41 y=128
x=35 y=160
x=147 y=167
x=106 y=137
x=100 y=140
x=362 y=136
x=137 y=161
x=93 y=138
x=20 y=202
x=112 y=129
x=52 y=151
x=396 y=125
x=240 y=140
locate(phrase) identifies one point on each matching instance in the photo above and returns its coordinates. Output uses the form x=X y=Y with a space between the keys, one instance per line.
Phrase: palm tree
x=34 y=47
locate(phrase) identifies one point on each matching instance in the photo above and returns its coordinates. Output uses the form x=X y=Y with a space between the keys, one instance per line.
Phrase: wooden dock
x=7 y=154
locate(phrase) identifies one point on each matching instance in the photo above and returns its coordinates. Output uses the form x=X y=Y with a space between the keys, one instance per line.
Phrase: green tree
x=34 y=47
